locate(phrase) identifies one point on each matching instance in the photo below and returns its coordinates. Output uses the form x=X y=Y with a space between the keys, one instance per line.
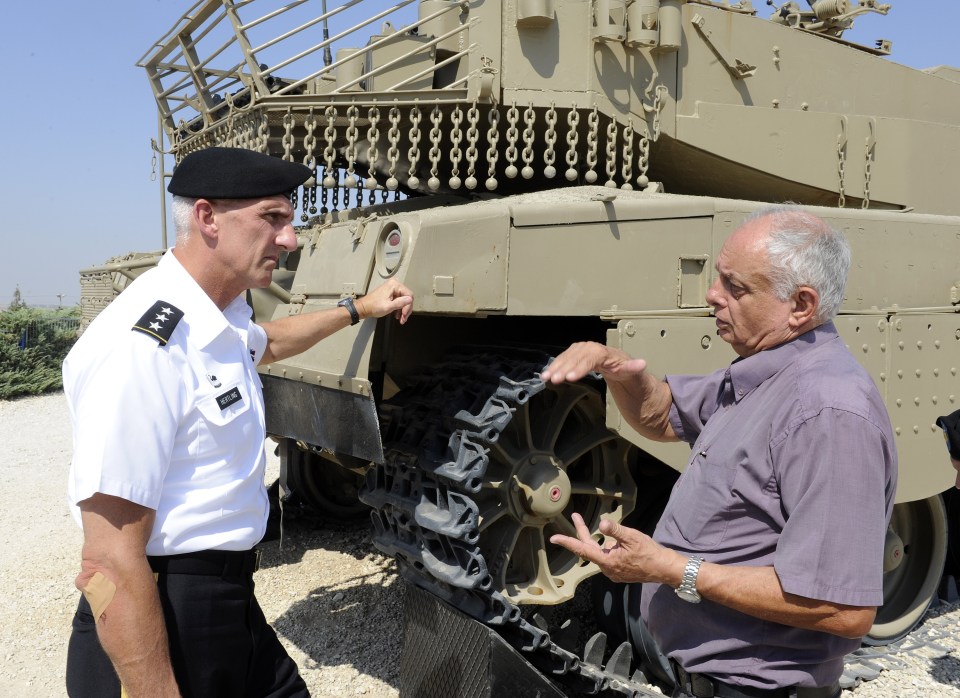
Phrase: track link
x=437 y=437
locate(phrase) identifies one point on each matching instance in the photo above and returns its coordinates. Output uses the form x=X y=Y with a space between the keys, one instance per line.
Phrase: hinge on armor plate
x=297 y=301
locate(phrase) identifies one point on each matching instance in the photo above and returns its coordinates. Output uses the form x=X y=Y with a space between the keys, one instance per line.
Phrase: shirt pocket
x=225 y=423
x=703 y=503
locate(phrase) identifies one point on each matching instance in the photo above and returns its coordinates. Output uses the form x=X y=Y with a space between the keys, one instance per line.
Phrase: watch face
x=689 y=595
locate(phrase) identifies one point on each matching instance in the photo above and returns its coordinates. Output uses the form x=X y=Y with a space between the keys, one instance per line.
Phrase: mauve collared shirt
x=793 y=465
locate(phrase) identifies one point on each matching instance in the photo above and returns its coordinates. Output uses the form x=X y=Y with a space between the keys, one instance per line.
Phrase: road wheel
x=914 y=557
x=330 y=490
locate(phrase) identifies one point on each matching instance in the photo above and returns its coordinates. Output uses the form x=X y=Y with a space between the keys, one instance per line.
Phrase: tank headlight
x=390 y=249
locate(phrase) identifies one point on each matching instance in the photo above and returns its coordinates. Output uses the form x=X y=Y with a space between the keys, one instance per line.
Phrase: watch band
x=351 y=308
x=688 y=583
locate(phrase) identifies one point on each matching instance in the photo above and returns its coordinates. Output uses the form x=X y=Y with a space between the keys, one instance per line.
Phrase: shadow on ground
x=355 y=618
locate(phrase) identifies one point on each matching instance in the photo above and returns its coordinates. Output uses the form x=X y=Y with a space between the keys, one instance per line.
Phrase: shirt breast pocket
x=703 y=503
x=224 y=420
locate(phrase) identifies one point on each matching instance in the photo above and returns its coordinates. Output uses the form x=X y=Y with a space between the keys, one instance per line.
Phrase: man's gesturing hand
x=627 y=555
x=583 y=357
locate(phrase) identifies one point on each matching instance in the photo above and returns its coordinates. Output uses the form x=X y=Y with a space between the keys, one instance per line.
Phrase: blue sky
x=77 y=117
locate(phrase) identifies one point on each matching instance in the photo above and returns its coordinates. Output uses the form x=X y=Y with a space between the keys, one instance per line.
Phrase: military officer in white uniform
x=168 y=431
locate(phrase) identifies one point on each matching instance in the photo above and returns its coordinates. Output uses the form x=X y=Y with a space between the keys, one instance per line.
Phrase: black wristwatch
x=351 y=308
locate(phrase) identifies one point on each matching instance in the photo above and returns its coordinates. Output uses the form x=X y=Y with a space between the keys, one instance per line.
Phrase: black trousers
x=221 y=646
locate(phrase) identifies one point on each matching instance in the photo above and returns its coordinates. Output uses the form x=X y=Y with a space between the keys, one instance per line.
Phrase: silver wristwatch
x=688 y=583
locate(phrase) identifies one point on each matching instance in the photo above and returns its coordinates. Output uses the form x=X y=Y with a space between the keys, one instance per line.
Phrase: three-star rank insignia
x=160 y=321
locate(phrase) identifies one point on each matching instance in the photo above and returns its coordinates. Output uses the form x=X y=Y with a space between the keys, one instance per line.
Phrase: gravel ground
x=335 y=603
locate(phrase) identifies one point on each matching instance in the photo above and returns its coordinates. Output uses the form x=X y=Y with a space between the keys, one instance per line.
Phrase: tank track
x=435 y=437
x=424 y=515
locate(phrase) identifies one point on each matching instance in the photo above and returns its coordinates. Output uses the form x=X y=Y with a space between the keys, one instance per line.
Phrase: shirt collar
x=205 y=320
x=746 y=374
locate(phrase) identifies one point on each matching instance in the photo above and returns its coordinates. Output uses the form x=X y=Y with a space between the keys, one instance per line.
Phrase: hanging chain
x=230 y=137
x=529 y=117
x=263 y=134
x=549 y=153
x=287 y=140
x=841 y=161
x=593 y=128
x=642 y=179
x=373 y=154
x=657 y=108
x=493 y=138
x=436 y=117
x=335 y=204
x=309 y=143
x=611 y=153
x=626 y=166
x=413 y=155
x=456 y=135
x=393 y=152
x=513 y=117
x=473 y=135
x=573 y=140
x=868 y=165
x=329 y=152
x=353 y=113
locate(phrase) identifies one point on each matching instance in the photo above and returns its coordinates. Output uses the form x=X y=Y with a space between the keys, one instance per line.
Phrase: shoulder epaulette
x=160 y=321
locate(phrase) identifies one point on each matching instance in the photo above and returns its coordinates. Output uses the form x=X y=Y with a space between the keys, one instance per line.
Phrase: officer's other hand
x=389 y=297
x=627 y=555
x=583 y=357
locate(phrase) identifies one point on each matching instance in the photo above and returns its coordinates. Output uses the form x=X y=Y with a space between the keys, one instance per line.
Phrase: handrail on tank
x=194 y=66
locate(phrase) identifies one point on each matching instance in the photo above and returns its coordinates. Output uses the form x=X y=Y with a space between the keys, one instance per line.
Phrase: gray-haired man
x=778 y=521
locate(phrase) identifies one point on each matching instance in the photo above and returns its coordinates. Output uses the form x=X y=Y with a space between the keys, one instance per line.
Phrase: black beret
x=951 y=432
x=235 y=173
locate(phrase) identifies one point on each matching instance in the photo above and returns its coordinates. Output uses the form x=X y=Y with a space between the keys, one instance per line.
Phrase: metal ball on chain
x=491 y=183
x=470 y=182
x=392 y=184
x=455 y=182
x=570 y=174
x=527 y=172
x=590 y=177
x=433 y=183
x=511 y=171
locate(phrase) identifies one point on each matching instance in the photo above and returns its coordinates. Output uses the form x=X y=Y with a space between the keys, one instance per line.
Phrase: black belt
x=211 y=563
x=703 y=686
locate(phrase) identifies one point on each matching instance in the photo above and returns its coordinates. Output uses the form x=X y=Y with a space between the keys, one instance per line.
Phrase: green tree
x=17 y=301
x=33 y=344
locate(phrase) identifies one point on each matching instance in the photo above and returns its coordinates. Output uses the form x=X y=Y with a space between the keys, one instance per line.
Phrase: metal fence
x=35 y=332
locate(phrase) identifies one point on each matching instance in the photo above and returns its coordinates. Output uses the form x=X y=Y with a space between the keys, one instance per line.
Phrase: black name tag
x=228 y=398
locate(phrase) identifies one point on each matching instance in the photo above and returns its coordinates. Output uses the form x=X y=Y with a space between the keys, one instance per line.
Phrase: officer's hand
x=627 y=555
x=389 y=297
x=583 y=357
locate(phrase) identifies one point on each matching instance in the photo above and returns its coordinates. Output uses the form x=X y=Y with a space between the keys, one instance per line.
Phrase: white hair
x=804 y=251
x=182 y=217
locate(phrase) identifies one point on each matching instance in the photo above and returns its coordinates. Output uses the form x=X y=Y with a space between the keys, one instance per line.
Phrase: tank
x=547 y=171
